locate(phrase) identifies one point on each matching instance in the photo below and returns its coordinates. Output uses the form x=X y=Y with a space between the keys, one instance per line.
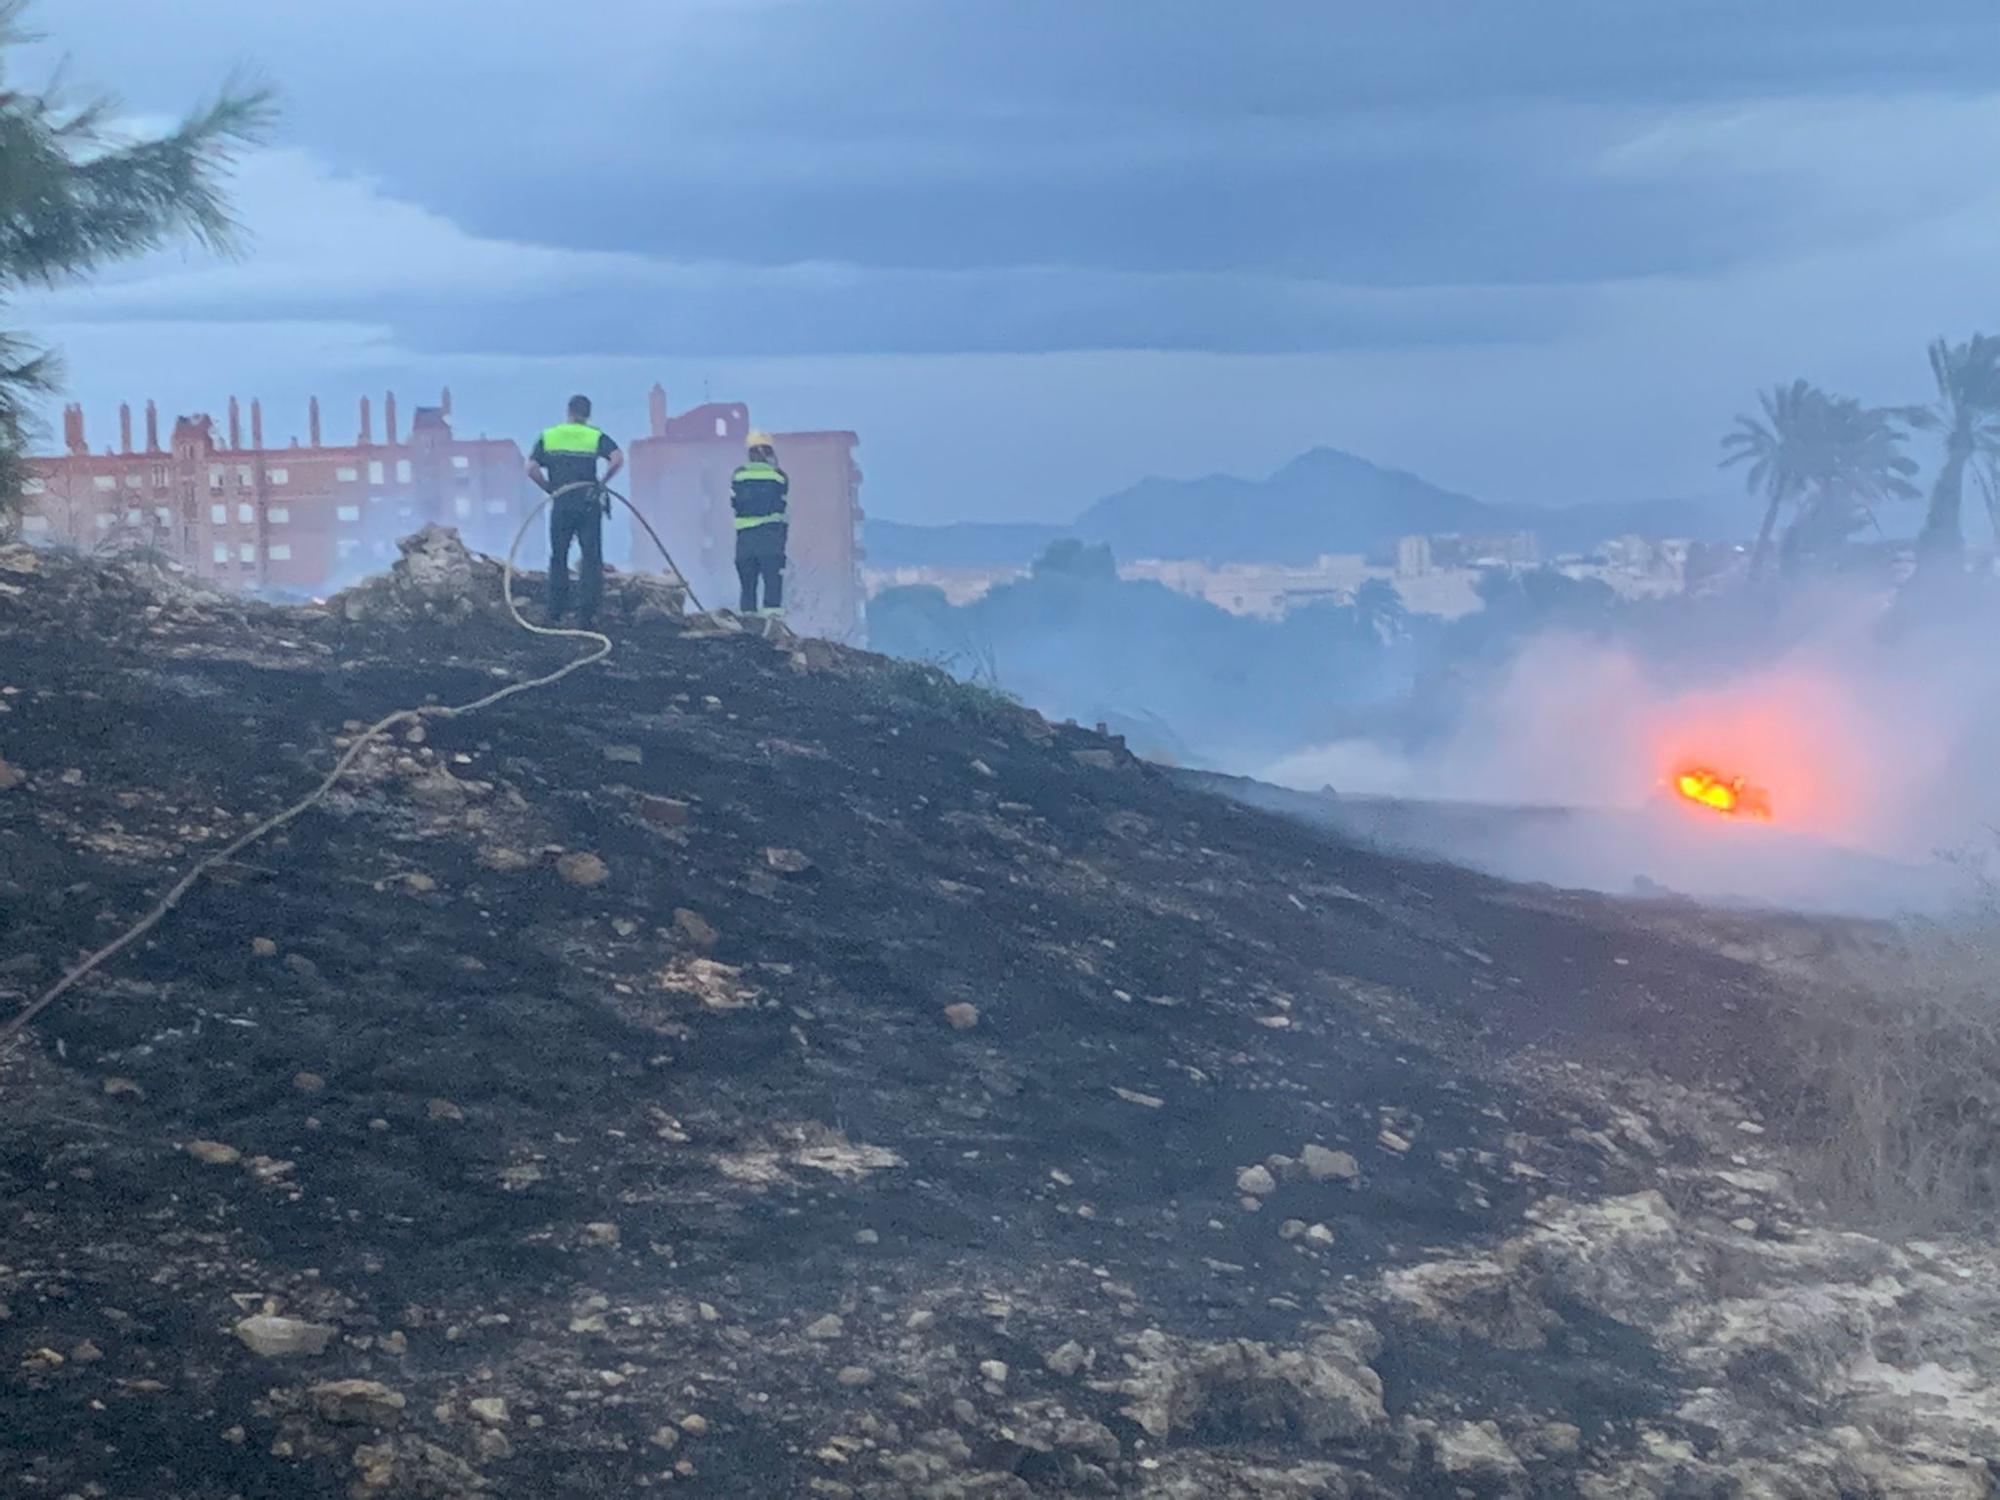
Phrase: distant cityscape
x=1433 y=574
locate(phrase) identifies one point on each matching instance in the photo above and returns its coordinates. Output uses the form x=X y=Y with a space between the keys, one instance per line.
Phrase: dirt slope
x=757 y=1069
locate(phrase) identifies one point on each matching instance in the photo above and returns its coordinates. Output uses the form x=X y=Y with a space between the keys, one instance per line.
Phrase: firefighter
x=564 y=464
x=757 y=493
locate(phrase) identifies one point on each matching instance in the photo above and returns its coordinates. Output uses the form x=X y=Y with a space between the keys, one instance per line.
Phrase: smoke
x=1874 y=736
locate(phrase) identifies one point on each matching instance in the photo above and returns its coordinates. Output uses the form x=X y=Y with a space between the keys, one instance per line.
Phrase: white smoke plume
x=1869 y=741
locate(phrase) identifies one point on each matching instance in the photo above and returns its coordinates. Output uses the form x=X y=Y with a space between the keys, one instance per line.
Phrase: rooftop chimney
x=152 y=428
x=124 y=427
x=444 y=404
x=312 y=421
x=256 y=424
x=656 y=404
x=73 y=429
x=367 y=424
x=389 y=419
x=235 y=424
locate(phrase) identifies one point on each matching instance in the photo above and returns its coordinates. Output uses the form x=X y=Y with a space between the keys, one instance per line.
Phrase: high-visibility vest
x=571 y=437
x=757 y=493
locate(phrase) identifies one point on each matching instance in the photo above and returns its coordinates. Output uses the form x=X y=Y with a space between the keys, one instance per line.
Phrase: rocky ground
x=754 y=1068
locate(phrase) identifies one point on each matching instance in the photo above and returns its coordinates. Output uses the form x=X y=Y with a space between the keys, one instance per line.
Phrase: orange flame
x=1731 y=796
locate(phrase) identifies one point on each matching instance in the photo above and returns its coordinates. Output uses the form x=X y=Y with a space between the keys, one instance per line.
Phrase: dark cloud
x=1430 y=140
x=1330 y=221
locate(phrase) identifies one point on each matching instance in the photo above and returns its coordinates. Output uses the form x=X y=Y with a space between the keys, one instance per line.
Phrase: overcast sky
x=1034 y=249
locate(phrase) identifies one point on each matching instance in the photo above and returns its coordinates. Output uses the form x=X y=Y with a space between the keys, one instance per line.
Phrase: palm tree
x=1778 y=449
x=1857 y=463
x=1829 y=456
x=1967 y=414
x=77 y=194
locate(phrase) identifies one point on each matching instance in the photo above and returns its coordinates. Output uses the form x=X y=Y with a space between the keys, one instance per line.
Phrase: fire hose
x=600 y=648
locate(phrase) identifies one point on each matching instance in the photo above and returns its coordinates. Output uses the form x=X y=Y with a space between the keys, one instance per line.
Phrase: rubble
x=1323 y=1391
x=435 y=580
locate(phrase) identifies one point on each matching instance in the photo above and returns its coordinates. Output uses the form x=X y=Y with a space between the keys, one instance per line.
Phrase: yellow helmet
x=759 y=439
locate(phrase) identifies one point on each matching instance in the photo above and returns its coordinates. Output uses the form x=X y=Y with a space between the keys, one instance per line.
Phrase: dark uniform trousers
x=760 y=561
x=577 y=518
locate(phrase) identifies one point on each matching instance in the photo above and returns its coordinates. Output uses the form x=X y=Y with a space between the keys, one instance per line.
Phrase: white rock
x=1256 y=1182
x=1477 y=1451
x=1323 y=1165
x=281 y=1338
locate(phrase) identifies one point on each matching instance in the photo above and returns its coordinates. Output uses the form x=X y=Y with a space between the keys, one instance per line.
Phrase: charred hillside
x=753 y=1067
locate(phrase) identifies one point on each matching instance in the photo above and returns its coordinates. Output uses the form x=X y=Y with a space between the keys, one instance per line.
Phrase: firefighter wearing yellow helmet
x=758 y=493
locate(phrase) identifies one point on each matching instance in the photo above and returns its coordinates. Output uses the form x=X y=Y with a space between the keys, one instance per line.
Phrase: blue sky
x=1035 y=249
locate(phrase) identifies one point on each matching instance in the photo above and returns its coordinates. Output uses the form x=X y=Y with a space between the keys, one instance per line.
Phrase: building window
x=348 y=513
x=215 y=476
x=403 y=471
x=165 y=514
x=33 y=485
x=280 y=476
x=463 y=506
x=222 y=552
x=460 y=461
x=404 y=512
x=247 y=552
x=721 y=427
x=246 y=514
x=243 y=475
x=104 y=520
x=347 y=476
x=133 y=480
x=375 y=471
x=105 y=482
x=281 y=552
x=159 y=476
x=278 y=515
x=345 y=546
x=218 y=515
x=496 y=507
x=374 y=499
x=134 y=516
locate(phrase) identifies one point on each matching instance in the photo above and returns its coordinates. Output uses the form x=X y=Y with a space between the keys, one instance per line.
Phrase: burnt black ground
x=1115 y=930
